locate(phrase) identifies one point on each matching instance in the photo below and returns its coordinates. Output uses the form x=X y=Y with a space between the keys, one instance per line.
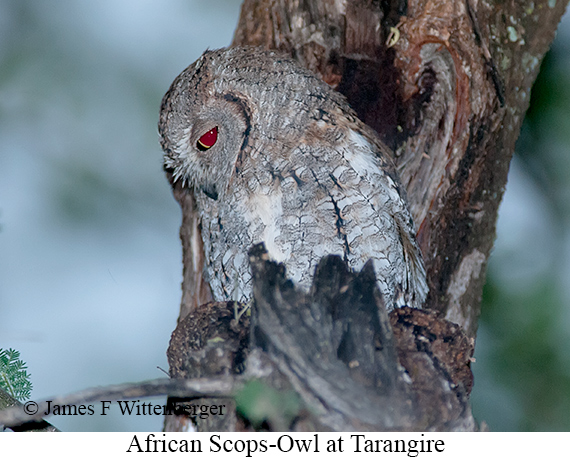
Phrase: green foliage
x=522 y=369
x=13 y=376
x=527 y=355
x=259 y=403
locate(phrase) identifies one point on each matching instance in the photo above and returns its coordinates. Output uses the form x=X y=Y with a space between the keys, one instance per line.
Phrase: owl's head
x=202 y=129
x=235 y=104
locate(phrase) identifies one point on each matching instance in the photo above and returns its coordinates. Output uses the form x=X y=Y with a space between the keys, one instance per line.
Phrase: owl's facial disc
x=203 y=136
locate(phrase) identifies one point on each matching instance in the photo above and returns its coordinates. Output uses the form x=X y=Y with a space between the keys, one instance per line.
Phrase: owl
x=273 y=154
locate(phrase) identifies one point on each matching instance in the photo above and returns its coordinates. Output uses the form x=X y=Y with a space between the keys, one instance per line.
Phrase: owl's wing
x=386 y=202
x=414 y=284
x=416 y=288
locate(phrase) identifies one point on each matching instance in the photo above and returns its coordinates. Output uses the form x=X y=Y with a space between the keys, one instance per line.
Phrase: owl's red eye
x=207 y=140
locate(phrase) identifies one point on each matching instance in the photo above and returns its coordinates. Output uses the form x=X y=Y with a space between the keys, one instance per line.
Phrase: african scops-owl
x=275 y=155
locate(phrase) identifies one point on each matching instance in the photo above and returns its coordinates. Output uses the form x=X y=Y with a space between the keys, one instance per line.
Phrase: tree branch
x=7 y=402
x=203 y=387
x=336 y=349
x=446 y=86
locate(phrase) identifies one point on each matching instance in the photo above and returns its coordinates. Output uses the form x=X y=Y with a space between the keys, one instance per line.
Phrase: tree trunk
x=446 y=85
x=448 y=91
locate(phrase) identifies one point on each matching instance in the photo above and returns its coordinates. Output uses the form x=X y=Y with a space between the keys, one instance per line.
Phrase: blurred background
x=90 y=260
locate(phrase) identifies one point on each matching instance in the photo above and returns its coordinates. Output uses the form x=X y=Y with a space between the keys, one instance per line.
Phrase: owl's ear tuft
x=207 y=140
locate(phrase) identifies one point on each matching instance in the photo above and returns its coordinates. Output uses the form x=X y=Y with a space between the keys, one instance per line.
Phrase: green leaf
x=258 y=403
x=14 y=378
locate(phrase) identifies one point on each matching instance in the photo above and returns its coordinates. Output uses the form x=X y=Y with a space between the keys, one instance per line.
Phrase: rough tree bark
x=449 y=96
x=446 y=85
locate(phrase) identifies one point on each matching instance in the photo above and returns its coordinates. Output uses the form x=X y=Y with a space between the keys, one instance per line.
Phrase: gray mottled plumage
x=293 y=167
